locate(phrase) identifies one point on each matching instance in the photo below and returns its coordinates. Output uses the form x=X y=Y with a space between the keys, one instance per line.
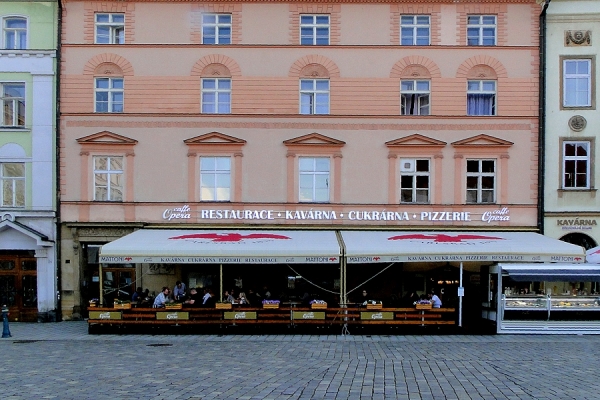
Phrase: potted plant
x=94 y=302
x=318 y=304
x=270 y=303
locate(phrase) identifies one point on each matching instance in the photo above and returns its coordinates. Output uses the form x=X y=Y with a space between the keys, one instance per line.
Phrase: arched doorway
x=580 y=239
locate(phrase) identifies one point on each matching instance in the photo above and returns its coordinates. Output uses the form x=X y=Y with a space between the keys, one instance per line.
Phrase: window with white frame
x=110 y=28
x=12 y=176
x=108 y=178
x=314 y=96
x=576 y=165
x=414 y=97
x=577 y=83
x=481 y=181
x=14 y=33
x=215 y=178
x=216 y=28
x=109 y=95
x=415 y=30
x=216 y=95
x=314 y=30
x=314 y=179
x=414 y=180
x=481 y=98
x=481 y=30
x=13 y=103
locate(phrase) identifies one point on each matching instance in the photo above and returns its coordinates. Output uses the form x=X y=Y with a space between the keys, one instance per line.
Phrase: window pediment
x=482 y=140
x=106 y=137
x=314 y=139
x=214 y=138
x=416 y=140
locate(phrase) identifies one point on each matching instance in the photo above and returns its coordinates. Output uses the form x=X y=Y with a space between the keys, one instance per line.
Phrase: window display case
x=575 y=303
x=525 y=303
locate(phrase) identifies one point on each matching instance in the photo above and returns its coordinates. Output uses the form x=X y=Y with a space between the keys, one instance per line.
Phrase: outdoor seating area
x=148 y=320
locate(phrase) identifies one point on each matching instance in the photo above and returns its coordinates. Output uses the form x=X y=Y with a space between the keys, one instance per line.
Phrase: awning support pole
x=460 y=298
x=221 y=291
x=101 y=285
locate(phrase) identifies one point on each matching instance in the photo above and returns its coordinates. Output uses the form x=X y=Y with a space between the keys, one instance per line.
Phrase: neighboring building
x=292 y=115
x=28 y=264
x=571 y=204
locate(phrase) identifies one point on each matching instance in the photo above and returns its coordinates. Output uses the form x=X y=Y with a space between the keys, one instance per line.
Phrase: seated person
x=228 y=298
x=162 y=298
x=194 y=299
x=137 y=296
x=209 y=301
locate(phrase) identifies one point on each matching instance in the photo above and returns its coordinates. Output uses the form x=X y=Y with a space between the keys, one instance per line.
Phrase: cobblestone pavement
x=61 y=361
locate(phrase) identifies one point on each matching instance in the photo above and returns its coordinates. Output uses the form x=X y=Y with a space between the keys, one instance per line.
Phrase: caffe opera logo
x=229 y=237
x=442 y=238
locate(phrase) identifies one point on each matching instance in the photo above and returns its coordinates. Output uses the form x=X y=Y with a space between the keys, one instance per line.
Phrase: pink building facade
x=386 y=115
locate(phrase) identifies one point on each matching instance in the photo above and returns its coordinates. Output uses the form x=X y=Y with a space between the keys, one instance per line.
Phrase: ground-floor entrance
x=18 y=284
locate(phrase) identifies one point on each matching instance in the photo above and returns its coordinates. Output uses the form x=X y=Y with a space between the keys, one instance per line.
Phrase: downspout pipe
x=57 y=163
x=542 y=118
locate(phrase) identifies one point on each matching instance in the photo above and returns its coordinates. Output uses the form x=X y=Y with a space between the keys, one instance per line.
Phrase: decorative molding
x=216 y=63
x=93 y=63
x=465 y=68
x=411 y=65
x=577 y=123
x=311 y=60
x=211 y=123
x=578 y=38
x=314 y=139
x=102 y=233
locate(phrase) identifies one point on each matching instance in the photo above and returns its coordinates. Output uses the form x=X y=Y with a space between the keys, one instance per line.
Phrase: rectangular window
x=314 y=96
x=216 y=96
x=576 y=165
x=314 y=179
x=14 y=33
x=577 y=83
x=109 y=95
x=108 y=178
x=110 y=28
x=414 y=97
x=481 y=30
x=314 y=30
x=13 y=104
x=216 y=28
x=414 y=181
x=12 y=176
x=414 y=30
x=481 y=98
x=481 y=181
x=215 y=178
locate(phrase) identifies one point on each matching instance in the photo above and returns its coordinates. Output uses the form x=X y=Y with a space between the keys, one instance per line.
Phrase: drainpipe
x=542 y=118
x=57 y=164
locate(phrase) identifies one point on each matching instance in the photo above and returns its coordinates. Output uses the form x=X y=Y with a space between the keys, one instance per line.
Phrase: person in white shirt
x=435 y=300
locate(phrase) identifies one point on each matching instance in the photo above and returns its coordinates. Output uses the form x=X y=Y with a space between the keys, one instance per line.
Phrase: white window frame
x=577 y=78
x=418 y=96
x=218 y=93
x=482 y=91
x=218 y=26
x=116 y=30
x=312 y=94
x=479 y=27
x=18 y=104
x=313 y=27
x=20 y=34
x=219 y=192
x=109 y=172
x=13 y=184
x=111 y=92
x=314 y=175
x=414 y=26
x=576 y=160
x=412 y=168
x=480 y=175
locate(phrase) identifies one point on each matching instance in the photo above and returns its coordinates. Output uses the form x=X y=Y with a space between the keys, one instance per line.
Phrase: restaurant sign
x=105 y=315
x=185 y=212
x=379 y=315
x=172 y=315
x=218 y=260
x=308 y=315
x=576 y=224
x=239 y=315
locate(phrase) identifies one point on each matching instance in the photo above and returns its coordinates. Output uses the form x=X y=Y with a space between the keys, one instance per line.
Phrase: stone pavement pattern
x=61 y=361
